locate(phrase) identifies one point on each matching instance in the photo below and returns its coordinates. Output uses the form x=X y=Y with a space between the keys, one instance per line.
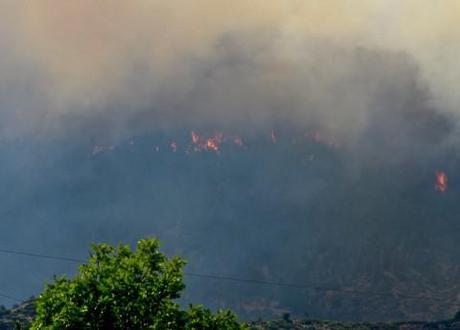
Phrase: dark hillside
x=23 y=313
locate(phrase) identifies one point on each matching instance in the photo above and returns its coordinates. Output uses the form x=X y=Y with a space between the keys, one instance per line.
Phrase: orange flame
x=216 y=142
x=212 y=144
x=441 y=182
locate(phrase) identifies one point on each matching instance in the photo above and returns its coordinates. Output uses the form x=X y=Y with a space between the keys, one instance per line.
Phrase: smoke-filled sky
x=123 y=59
x=331 y=118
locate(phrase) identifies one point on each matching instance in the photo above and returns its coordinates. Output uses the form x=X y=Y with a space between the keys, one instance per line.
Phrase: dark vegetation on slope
x=308 y=222
x=23 y=314
x=295 y=324
x=18 y=317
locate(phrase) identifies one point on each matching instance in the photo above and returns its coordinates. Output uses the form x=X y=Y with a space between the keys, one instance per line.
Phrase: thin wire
x=239 y=279
x=43 y=256
x=11 y=298
x=312 y=287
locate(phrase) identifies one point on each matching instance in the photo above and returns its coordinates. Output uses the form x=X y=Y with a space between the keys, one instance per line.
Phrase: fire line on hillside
x=441 y=182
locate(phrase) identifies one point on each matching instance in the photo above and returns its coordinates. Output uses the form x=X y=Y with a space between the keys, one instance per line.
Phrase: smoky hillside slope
x=363 y=216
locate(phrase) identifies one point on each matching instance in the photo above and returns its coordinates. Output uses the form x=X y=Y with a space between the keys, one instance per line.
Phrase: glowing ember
x=212 y=144
x=209 y=143
x=441 y=182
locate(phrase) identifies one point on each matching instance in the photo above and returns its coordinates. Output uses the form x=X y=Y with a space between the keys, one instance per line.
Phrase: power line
x=43 y=256
x=240 y=280
x=11 y=298
x=313 y=287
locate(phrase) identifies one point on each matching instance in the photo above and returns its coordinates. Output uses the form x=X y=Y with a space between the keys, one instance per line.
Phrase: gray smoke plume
x=325 y=176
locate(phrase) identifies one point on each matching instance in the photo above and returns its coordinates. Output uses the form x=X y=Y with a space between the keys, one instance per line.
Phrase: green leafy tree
x=123 y=289
x=457 y=316
x=3 y=311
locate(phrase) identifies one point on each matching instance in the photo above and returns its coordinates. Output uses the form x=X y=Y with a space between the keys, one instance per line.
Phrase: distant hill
x=335 y=325
x=24 y=313
x=19 y=315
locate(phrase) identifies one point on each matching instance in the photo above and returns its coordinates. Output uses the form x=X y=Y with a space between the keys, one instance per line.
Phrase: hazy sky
x=85 y=56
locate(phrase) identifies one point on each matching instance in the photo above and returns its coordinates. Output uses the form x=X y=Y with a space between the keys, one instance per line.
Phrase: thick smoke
x=355 y=97
x=142 y=56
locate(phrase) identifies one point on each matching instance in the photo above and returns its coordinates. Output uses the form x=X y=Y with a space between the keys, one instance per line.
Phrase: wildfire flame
x=441 y=182
x=219 y=140
x=215 y=142
x=212 y=142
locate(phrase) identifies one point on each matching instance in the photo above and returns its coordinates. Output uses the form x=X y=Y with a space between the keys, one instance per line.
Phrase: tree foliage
x=123 y=289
